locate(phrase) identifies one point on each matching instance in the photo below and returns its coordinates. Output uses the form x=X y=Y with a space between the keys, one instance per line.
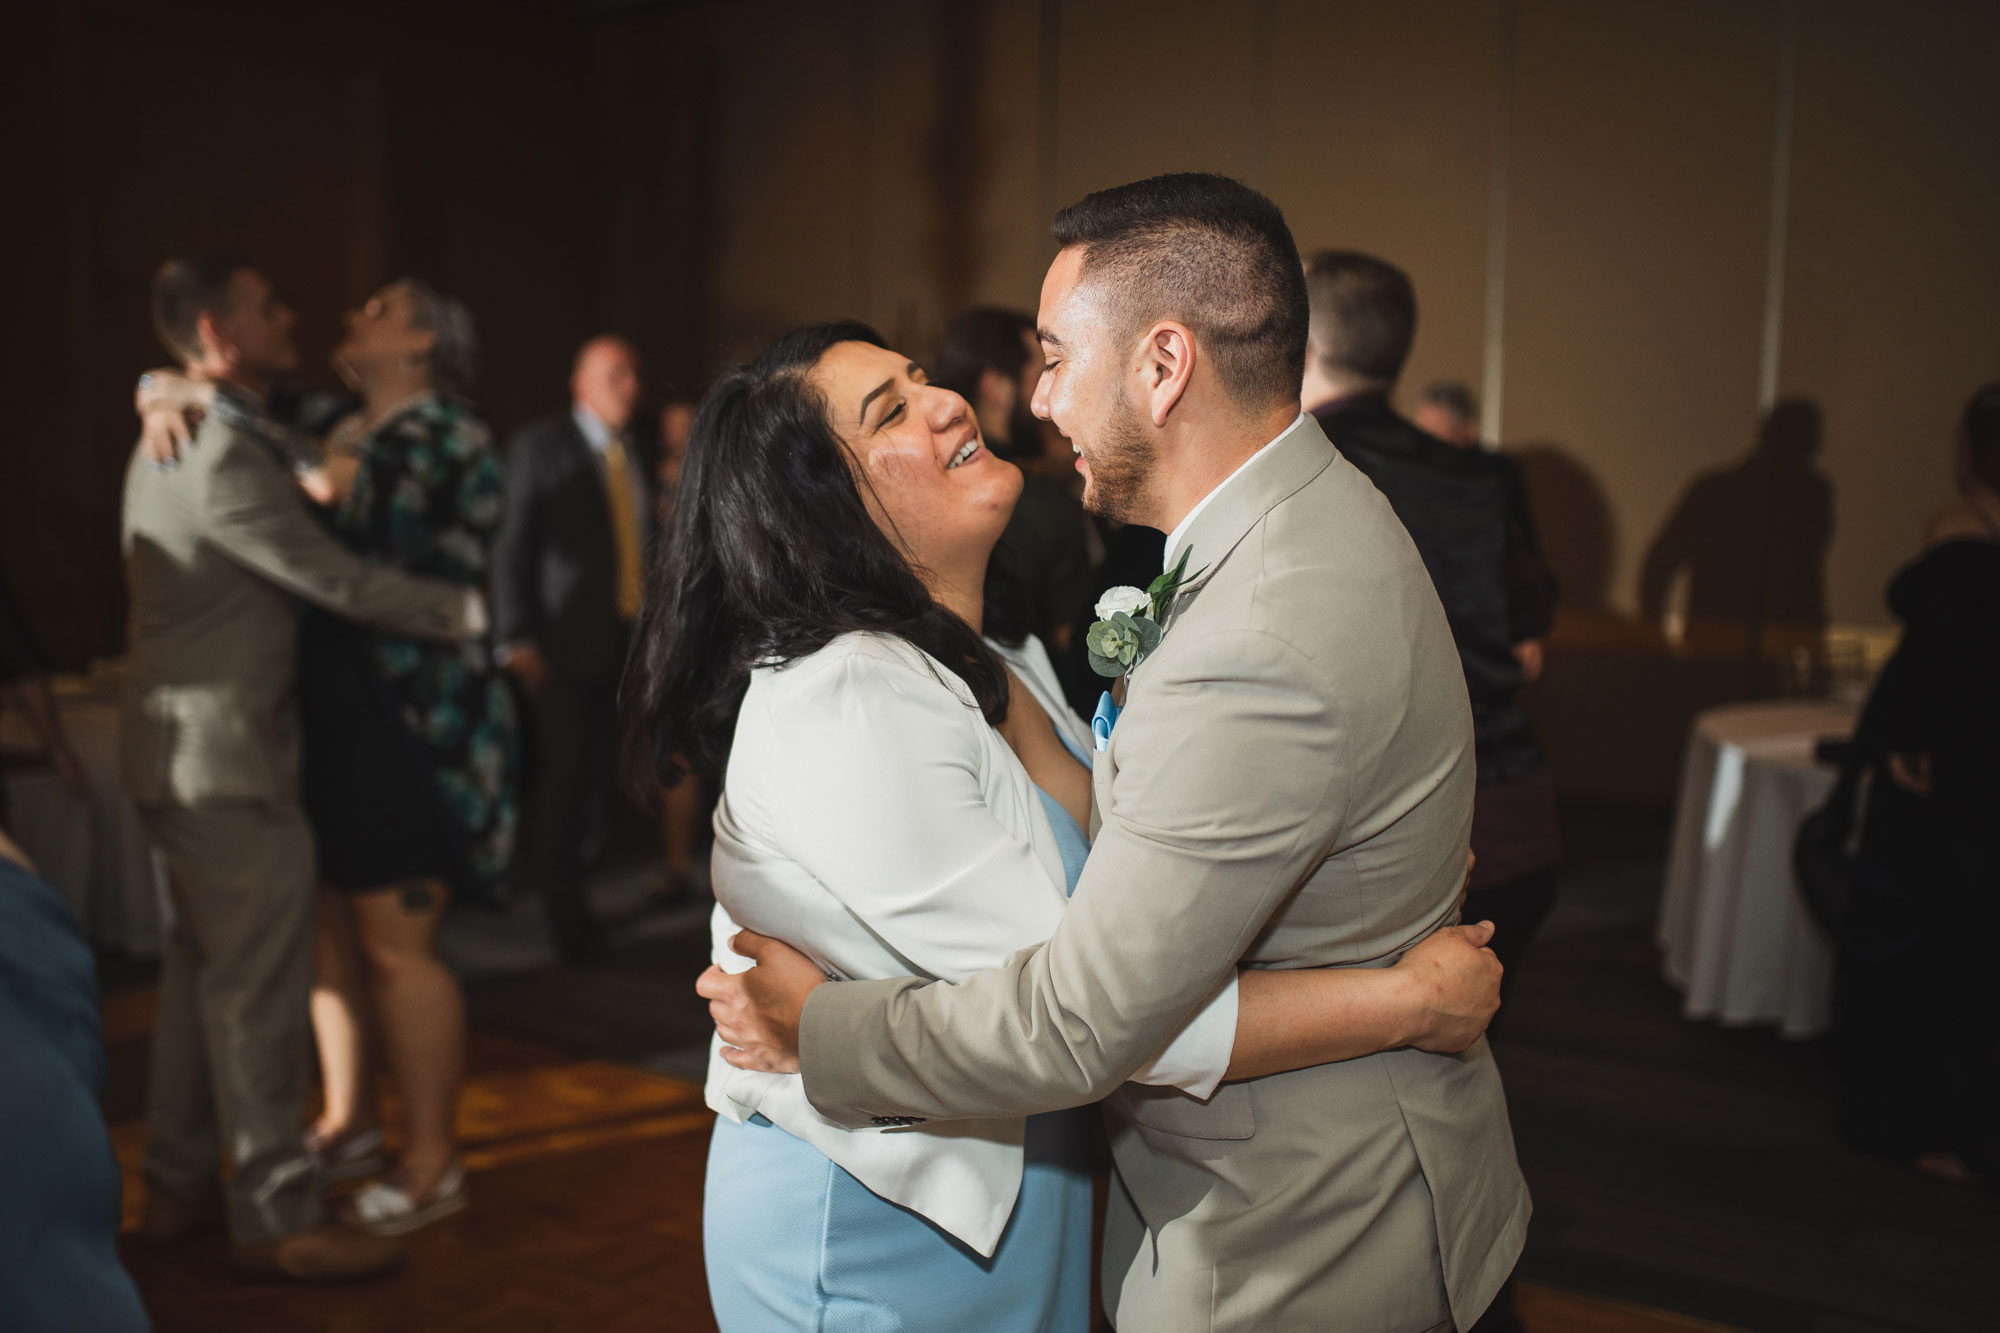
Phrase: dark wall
x=536 y=159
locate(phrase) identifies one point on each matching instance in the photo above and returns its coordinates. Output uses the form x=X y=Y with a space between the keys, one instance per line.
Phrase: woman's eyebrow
x=872 y=395
x=913 y=369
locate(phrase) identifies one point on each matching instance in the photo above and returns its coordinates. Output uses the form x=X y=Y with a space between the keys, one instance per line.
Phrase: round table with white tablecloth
x=1733 y=928
x=94 y=851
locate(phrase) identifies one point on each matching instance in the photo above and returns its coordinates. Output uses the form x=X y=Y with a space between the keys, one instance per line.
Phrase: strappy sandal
x=385 y=1209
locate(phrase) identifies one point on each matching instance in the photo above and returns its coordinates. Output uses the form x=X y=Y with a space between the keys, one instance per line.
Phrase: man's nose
x=1039 y=404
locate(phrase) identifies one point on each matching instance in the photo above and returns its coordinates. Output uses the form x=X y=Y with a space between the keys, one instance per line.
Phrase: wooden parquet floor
x=585 y=1179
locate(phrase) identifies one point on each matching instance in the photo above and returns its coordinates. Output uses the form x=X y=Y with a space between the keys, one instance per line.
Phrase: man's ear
x=1166 y=363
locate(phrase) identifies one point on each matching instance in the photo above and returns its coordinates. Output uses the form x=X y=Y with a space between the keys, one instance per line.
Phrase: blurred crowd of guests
x=360 y=647
x=370 y=649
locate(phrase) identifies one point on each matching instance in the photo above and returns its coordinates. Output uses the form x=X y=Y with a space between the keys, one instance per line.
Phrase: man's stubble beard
x=1121 y=469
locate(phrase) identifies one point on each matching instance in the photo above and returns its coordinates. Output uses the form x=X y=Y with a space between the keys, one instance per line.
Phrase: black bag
x=1852 y=899
x=1824 y=862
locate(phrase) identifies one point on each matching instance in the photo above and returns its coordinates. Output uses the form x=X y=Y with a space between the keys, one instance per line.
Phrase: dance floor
x=586 y=1214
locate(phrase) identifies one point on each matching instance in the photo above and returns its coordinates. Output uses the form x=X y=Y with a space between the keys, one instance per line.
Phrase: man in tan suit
x=1290 y=785
x=220 y=553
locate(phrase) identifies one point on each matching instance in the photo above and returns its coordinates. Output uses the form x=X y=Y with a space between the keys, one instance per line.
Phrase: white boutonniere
x=1131 y=621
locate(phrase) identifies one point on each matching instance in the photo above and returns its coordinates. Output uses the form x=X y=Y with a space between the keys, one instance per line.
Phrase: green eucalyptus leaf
x=1106 y=666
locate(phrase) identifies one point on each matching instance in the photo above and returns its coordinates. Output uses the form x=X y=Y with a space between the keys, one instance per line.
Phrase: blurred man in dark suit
x=1448 y=410
x=567 y=587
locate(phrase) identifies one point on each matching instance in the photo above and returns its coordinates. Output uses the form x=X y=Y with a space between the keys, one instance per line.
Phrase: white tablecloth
x=1734 y=932
x=94 y=851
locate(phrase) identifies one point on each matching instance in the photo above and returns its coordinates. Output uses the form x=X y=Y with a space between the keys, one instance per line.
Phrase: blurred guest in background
x=991 y=358
x=59 y=1187
x=1448 y=410
x=683 y=804
x=566 y=589
x=1914 y=1002
x=24 y=684
x=218 y=551
x=411 y=755
x=1455 y=503
x=676 y=425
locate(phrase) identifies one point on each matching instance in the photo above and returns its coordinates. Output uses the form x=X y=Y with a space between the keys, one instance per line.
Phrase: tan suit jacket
x=1290 y=786
x=219 y=553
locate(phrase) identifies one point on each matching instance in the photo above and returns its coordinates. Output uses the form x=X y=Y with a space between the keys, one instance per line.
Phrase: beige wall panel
x=1147 y=88
x=1010 y=235
x=895 y=201
x=1638 y=207
x=1894 y=272
x=1381 y=140
x=788 y=150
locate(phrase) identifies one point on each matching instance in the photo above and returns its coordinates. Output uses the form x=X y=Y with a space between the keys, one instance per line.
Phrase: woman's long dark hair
x=771 y=556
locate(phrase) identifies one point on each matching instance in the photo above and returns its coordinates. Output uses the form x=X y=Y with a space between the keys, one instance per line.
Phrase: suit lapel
x=1291 y=460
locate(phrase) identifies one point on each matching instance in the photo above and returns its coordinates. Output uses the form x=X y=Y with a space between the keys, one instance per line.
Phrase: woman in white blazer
x=829 y=644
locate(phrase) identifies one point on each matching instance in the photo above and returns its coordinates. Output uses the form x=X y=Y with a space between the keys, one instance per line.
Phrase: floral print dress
x=427 y=499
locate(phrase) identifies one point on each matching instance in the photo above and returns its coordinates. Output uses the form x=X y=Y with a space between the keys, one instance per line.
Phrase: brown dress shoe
x=169 y=1219
x=325 y=1254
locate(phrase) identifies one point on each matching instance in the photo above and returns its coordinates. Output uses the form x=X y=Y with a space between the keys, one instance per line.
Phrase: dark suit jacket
x=554 y=580
x=1456 y=505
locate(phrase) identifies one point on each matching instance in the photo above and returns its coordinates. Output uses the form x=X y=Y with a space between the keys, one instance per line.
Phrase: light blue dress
x=794 y=1244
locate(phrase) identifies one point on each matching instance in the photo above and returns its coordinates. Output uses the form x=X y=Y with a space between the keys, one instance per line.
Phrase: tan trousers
x=231 y=1043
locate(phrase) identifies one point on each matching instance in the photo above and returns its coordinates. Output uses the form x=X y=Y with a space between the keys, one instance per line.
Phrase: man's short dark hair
x=1982 y=435
x=1364 y=314
x=185 y=289
x=982 y=339
x=1215 y=255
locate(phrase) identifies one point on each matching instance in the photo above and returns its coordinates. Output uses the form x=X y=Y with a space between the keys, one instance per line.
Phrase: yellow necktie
x=624 y=527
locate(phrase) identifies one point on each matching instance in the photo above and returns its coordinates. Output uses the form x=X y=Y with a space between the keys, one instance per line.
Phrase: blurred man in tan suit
x=220 y=550
x=1290 y=785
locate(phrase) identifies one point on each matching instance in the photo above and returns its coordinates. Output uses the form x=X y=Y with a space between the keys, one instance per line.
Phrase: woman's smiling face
x=925 y=472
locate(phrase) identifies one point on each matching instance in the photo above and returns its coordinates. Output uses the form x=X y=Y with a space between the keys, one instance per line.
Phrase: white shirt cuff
x=1198 y=1057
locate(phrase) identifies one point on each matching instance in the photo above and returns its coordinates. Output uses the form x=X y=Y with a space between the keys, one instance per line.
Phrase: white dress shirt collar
x=595 y=433
x=1180 y=531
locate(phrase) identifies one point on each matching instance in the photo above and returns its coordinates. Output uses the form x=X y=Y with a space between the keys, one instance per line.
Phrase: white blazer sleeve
x=879 y=796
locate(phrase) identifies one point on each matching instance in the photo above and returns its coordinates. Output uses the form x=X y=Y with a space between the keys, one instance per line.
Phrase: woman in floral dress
x=411 y=755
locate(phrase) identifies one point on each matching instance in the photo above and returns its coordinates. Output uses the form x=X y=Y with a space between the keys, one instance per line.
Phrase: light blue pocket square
x=1103 y=721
